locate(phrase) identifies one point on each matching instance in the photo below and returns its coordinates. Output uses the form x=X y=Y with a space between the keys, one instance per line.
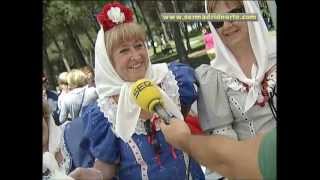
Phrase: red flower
x=105 y=20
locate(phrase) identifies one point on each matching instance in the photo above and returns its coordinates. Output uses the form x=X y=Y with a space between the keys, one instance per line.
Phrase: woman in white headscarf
x=237 y=92
x=125 y=140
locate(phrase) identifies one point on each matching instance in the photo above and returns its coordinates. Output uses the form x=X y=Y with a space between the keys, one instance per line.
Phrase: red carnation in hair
x=107 y=22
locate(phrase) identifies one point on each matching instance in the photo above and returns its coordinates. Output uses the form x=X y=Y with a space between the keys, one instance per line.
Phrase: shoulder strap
x=80 y=109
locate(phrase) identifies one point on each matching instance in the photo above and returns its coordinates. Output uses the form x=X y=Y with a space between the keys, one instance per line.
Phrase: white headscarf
x=109 y=83
x=264 y=49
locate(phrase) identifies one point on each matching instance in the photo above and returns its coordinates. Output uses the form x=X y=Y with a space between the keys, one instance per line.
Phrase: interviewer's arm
x=228 y=157
x=108 y=170
x=81 y=173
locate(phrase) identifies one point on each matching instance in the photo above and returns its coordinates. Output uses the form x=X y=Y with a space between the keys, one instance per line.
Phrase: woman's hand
x=86 y=173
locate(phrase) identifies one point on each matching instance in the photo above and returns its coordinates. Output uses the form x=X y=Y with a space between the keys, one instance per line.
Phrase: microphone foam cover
x=146 y=94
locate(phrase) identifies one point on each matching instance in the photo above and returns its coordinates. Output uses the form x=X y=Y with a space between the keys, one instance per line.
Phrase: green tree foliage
x=69 y=31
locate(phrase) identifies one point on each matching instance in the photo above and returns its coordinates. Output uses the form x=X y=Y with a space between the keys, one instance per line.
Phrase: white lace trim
x=221 y=131
x=251 y=127
x=233 y=83
x=236 y=104
x=138 y=156
x=109 y=107
x=170 y=86
x=243 y=116
x=186 y=162
x=271 y=80
x=236 y=85
x=227 y=131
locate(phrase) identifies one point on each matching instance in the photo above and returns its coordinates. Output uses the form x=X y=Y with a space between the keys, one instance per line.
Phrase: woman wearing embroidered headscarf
x=237 y=92
x=116 y=133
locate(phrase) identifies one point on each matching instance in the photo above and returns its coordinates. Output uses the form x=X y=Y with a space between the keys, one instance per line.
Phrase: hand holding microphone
x=147 y=95
x=177 y=133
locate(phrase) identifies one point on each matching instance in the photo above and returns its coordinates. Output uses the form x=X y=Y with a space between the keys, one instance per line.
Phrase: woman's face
x=204 y=31
x=130 y=60
x=63 y=87
x=90 y=76
x=232 y=33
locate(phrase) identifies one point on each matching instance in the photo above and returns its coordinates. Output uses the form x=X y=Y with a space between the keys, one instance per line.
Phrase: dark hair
x=207 y=29
x=44 y=79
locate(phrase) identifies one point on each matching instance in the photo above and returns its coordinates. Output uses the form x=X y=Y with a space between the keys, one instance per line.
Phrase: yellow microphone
x=147 y=95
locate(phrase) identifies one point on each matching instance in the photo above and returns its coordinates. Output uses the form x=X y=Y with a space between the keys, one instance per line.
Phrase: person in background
x=61 y=151
x=55 y=155
x=208 y=42
x=63 y=87
x=237 y=93
x=48 y=95
x=79 y=95
x=89 y=72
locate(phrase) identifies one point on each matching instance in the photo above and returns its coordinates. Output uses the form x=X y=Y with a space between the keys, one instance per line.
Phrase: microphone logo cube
x=146 y=94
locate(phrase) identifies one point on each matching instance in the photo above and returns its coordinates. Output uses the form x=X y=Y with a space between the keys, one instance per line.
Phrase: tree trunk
x=91 y=50
x=48 y=69
x=181 y=50
x=199 y=26
x=82 y=50
x=186 y=35
x=91 y=55
x=160 y=9
x=94 y=21
x=273 y=12
x=61 y=54
x=185 y=28
x=73 y=41
x=148 y=28
x=66 y=64
x=135 y=11
x=89 y=37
